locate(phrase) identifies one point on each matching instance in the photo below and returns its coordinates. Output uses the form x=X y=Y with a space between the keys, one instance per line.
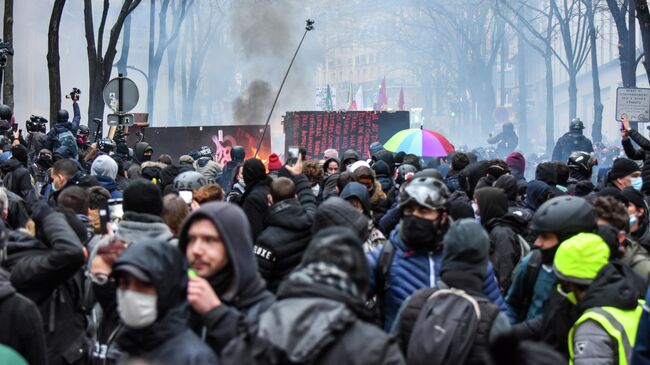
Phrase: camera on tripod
x=36 y=124
x=74 y=95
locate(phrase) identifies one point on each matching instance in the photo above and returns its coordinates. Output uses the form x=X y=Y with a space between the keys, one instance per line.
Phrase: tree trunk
x=573 y=95
x=523 y=95
x=171 y=82
x=644 y=24
x=8 y=74
x=100 y=65
x=154 y=69
x=53 y=70
x=596 y=130
x=550 y=138
x=123 y=62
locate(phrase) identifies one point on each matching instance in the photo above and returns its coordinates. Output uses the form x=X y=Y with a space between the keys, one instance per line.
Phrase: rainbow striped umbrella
x=420 y=142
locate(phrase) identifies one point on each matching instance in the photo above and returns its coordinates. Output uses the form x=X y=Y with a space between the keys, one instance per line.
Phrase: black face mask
x=105 y=294
x=420 y=234
x=45 y=161
x=549 y=254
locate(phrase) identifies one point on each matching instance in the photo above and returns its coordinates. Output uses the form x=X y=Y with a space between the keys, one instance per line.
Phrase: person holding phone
x=629 y=134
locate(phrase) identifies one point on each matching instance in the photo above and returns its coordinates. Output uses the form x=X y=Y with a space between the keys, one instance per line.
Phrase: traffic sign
x=635 y=102
x=121 y=119
x=129 y=97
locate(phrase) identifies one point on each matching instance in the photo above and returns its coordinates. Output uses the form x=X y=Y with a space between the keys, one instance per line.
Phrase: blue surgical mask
x=637 y=183
x=633 y=220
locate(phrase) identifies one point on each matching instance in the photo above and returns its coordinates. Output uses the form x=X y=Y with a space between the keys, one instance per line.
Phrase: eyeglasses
x=100 y=279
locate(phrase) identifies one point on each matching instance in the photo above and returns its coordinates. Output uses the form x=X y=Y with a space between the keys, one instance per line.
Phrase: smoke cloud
x=252 y=107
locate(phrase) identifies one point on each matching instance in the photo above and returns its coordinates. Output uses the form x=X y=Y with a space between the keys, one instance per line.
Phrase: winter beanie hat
x=274 y=162
x=142 y=196
x=516 y=161
x=19 y=152
x=623 y=167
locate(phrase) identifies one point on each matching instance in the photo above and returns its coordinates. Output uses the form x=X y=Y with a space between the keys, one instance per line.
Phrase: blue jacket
x=541 y=290
x=410 y=272
x=110 y=185
x=641 y=353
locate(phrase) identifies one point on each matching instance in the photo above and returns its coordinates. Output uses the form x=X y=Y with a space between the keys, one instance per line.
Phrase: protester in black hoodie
x=280 y=246
x=22 y=327
x=47 y=270
x=508 y=183
x=142 y=152
x=320 y=316
x=230 y=291
x=254 y=202
x=152 y=304
x=504 y=229
x=16 y=176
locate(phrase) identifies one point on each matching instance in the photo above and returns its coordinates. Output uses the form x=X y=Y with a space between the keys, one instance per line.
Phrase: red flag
x=400 y=103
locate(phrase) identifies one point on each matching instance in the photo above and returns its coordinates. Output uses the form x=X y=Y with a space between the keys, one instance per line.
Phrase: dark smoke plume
x=253 y=105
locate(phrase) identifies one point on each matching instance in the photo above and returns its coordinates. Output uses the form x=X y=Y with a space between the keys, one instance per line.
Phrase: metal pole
x=310 y=26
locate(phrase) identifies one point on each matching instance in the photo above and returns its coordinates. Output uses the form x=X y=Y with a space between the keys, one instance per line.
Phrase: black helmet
x=576 y=123
x=428 y=192
x=565 y=216
x=238 y=153
x=62 y=116
x=83 y=130
x=5 y=112
x=189 y=180
x=205 y=151
x=106 y=145
x=581 y=162
x=405 y=172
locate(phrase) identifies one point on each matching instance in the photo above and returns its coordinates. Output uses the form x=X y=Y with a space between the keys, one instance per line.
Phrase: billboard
x=178 y=141
x=317 y=131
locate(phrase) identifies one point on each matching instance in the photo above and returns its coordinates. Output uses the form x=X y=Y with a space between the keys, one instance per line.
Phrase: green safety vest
x=620 y=324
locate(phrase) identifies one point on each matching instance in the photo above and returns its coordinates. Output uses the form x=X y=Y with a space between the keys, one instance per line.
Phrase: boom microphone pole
x=308 y=27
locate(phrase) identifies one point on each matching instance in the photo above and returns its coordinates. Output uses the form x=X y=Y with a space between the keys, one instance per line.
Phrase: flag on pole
x=358 y=100
x=400 y=103
x=329 y=104
x=382 y=98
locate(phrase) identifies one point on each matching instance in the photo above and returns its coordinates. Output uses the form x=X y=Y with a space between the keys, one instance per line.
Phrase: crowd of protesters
x=110 y=257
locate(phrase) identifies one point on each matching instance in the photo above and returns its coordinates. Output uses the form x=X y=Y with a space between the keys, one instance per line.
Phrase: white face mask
x=137 y=310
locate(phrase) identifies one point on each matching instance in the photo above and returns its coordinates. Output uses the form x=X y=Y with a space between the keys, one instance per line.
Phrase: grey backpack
x=445 y=329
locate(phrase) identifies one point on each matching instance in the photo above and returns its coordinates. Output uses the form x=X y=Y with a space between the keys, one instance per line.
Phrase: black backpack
x=446 y=327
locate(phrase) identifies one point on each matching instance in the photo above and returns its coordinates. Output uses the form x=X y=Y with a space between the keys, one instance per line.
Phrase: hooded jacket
x=320 y=316
x=503 y=228
x=280 y=246
x=337 y=212
x=411 y=271
x=348 y=155
x=359 y=191
x=239 y=286
x=110 y=185
x=22 y=327
x=254 y=202
x=383 y=175
x=537 y=193
x=136 y=227
x=48 y=272
x=17 y=179
x=168 y=339
x=615 y=286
